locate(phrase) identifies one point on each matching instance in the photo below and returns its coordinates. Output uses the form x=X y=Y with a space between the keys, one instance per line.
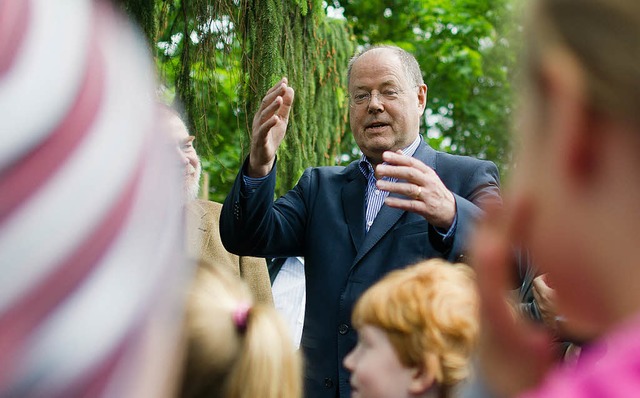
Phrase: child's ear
x=424 y=377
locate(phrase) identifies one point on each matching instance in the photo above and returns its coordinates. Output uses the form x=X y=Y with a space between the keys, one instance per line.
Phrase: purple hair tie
x=240 y=315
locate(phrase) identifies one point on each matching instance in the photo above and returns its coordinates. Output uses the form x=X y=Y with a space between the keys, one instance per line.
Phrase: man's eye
x=361 y=97
x=390 y=93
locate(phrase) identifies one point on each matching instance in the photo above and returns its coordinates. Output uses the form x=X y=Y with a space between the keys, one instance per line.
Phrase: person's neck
x=374 y=162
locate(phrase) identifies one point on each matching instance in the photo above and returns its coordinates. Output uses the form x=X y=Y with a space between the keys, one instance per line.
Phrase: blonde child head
x=236 y=348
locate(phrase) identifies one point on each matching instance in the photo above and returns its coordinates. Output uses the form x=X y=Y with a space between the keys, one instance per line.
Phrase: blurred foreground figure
x=575 y=204
x=90 y=209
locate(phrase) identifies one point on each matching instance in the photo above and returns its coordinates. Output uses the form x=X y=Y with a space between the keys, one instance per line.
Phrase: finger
x=276 y=91
x=271 y=108
x=399 y=159
x=547 y=280
x=412 y=205
x=263 y=130
x=537 y=282
x=538 y=298
x=403 y=188
x=409 y=173
x=268 y=124
x=541 y=286
x=277 y=85
x=287 y=102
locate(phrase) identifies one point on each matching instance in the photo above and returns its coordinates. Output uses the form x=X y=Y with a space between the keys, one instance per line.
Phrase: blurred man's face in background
x=188 y=156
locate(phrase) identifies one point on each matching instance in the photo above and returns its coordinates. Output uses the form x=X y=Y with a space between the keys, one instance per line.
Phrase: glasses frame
x=386 y=97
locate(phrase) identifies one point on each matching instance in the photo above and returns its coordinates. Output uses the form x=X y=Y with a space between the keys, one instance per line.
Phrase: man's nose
x=184 y=160
x=375 y=105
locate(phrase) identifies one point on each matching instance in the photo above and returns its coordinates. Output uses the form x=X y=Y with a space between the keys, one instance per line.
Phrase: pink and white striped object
x=91 y=262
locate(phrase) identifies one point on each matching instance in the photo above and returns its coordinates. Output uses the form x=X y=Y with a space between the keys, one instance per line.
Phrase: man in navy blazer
x=400 y=203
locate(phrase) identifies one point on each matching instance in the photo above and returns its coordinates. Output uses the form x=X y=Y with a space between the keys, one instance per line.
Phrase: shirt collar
x=367 y=168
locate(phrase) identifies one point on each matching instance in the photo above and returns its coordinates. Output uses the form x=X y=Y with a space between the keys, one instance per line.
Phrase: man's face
x=188 y=156
x=390 y=119
x=376 y=371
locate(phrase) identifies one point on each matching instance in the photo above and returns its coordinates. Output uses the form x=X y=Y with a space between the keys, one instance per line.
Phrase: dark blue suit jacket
x=323 y=219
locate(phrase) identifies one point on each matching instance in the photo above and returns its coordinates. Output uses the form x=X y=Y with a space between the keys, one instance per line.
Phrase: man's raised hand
x=269 y=127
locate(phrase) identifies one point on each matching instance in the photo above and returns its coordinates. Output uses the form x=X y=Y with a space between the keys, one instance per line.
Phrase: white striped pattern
x=47 y=68
x=91 y=241
x=290 y=294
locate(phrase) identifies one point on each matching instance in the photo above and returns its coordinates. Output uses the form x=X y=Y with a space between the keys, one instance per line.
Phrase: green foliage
x=219 y=57
x=465 y=50
x=199 y=57
x=297 y=40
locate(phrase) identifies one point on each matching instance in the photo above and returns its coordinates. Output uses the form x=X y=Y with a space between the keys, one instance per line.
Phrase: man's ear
x=422 y=97
x=425 y=377
x=571 y=119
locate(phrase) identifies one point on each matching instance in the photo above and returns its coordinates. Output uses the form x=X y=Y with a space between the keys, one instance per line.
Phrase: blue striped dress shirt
x=374 y=198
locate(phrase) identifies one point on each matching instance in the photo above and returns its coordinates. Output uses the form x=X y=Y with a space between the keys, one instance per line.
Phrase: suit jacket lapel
x=426 y=155
x=385 y=219
x=352 y=202
x=388 y=216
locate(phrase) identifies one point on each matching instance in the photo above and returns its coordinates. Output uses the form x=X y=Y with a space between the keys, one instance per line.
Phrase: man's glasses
x=363 y=98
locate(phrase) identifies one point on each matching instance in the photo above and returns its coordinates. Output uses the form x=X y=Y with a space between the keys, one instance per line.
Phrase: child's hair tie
x=240 y=315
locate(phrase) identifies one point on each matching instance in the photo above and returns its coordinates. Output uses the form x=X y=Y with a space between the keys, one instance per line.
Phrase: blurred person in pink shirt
x=574 y=203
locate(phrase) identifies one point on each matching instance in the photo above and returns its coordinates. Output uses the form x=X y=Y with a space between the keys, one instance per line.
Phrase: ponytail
x=268 y=355
x=236 y=349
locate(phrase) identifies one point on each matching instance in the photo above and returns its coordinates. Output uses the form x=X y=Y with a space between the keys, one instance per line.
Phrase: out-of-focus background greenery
x=217 y=58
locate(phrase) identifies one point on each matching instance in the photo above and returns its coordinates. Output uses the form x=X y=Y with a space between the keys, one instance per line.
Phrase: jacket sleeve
x=481 y=186
x=252 y=224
